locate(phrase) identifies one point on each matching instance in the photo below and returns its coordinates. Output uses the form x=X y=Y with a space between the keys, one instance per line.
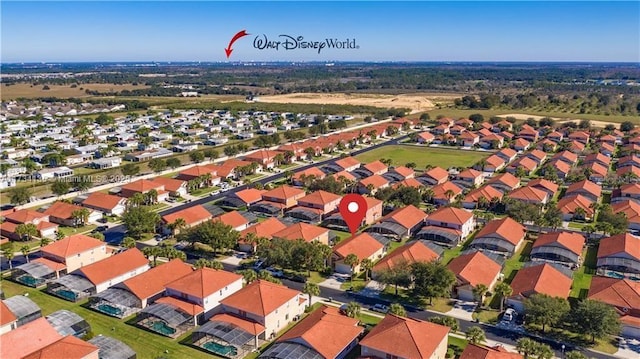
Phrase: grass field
x=516 y=262
x=146 y=344
x=61 y=91
x=582 y=277
x=423 y=156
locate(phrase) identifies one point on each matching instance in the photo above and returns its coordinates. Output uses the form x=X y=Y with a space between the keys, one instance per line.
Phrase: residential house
x=13 y=219
x=56 y=172
x=544 y=185
x=264 y=229
x=569 y=157
x=175 y=187
x=580 y=136
x=547 y=145
x=555 y=136
x=607 y=149
x=192 y=216
x=195 y=172
x=520 y=145
x=143 y=186
x=576 y=207
x=586 y=188
x=8 y=320
x=72 y=253
x=490 y=140
x=448 y=225
x=559 y=247
x=300 y=178
x=480 y=197
x=624 y=296
x=631 y=210
x=619 y=254
x=468 y=139
x=576 y=147
x=471 y=270
x=471 y=177
x=372 y=184
x=400 y=337
x=410 y=182
x=285 y=195
x=325 y=201
x=507 y=154
x=529 y=195
x=435 y=176
x=265 y=158
x=597 y=158
x=68 y=347
x=234 y=219
x=242 y=198
x=528 y=133
x=538 y=279
x=493 y=163
x=537 y=156
x=561 y=168
x=106 y=203
x=304 y=231
x=476 y=351
x=504 y=182
x=363 y=246
x=402 y=222
x=527 y=165
x=63 y=213
x=402 y=172
x=445 y=193
x=27 y=339
x=425 y=137
x=348 y=164
x=628 y=191
x=375 y=168
x=504 y=236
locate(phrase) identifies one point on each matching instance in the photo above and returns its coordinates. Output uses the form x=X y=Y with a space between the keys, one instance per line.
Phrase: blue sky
x=384 y=31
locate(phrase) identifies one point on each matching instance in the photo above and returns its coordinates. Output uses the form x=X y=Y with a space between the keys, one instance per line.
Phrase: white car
x=380 y=308
x=509 y=315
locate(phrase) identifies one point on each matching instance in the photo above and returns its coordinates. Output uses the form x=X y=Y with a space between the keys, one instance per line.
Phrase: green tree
x=196 y=156
x=82 y=183
x=553 y=217
x=59 y=235
x=211 y=154
x=397 y=309
x=545 y=310
x=475 y=335
x=366 y=265
x=19 y=195
x=60 y=187
x=526 y=347
x=265 y=275
x=215 y=234
x=139 y=220
x=25 y=252
x=446 y=321
x=248 y=275
x=595 y=319
x=206 y=263
x=8 y=251
x=128 y=242
x=504 y=291
x=177 y=226
x=574 y=354
x=399 y=276
x=44 y=241
x=627 y=126
x=352 y=261
x=479 y=291
x=173 y=163
x=311 y=289
x=152 y=251
x=353 y=309
x=158 y=165
x=431 y=279
x=28 y=230
x=129 y=169
x=97 y=235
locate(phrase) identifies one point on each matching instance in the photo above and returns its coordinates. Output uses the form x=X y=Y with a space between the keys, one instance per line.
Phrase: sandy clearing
x=417 y=102
x=524 y=116
x=61 y=91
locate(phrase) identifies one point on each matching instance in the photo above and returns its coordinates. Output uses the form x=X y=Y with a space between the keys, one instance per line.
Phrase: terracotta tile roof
x=507 y=152
x=284 y=192
x=630 y=208
x=56 y=266
x=347 y=176
x=527 y=193
x=585 y=186
x=450 y=215
x=362 y=245
x=442 y=188
x=72 y=245
x=408 y=216
x=260 y=297
x=301 y=230
x=466 y=135
x=470 y=173
x=597 y=157
x=437 y=174
x=320 y=198
x=541 y=183
x=474 y=268
x=264 y=229
x=187 y=307
x=203 y=282
x=409 y=182
x=579 y=135
x=24 y=216
x=628 y=169
x=142 y=186
x=312 y=171
x=560 y=166
x=376 y=181
x=372 y=202
x=30 y=337
x=197 y=171
x=62 y=210
x=487 y=192
x=620 y=243
x=404 y=171
x=631 y=188
x=521 y=142
x=250 y=195
x=507 y=179
x=495 y=161
x=325 y=330
x=102 y=200
x=427 y=136
x=68 y=347
x=347 y=162
x=569 y=205
x=153 y=281
x=526 y=163
x=233 y=219
x=245 y=324
x=406 y=337
x=6 y=315
x=411 y=252
x=512 y=231
x=190 y=215
x=114 y=266
x=375 y=166
x=473 y=351
x=170 y=184
x=621 y=293
x=572 y=241
x=538 y=155
x=567 y=156
x=541 y=279
x=261 y=155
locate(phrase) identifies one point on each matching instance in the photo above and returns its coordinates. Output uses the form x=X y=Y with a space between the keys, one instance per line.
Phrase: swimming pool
x=109 y=309
x=29 y=280
x=67 y=294
x=226 y=350
x=162 y=328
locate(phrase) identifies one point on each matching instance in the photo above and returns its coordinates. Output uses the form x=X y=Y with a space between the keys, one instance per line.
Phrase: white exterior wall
x=211 y=304
x=439 y=353
x=121 y=278
x=7 y=327
x=82 y=259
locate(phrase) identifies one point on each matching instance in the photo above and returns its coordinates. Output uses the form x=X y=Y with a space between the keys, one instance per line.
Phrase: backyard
x=423 y=156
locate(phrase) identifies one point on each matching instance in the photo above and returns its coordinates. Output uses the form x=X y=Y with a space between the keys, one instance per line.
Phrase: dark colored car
x=298 y=278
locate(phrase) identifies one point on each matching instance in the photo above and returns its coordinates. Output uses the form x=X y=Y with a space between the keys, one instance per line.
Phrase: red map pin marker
x=353 y=207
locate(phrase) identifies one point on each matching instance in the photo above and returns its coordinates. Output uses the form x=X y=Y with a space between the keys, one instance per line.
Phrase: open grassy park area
x=423 y=156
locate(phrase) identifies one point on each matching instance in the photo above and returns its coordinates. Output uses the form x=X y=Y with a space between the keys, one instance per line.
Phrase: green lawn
x=67 y=231
x=513 y=264
x=368 y=319
x=582 y=277
x=200 y=192
x=146 y=344
x=423 y=156
x=341 y=235
x=487 y=316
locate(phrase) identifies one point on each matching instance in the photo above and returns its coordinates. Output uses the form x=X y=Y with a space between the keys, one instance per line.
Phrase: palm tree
x=353 y=309
x=26 y=230
x=352 y=261
x=503 y=290
x=479 y=291
x=25 y=252
x=44 y=241
x=80 y=216
x=128 y=242
x=366 y=265
x=427 y=195
x=397 y=309
x=249 y=275
x=178 y=225
x=482 y=202
x=152 y=252
x=8 y=252
x=449 y=194
x=59 y=235
x=136 y=200
x=311 y=289
x=279 y=159
x=579 y=213
x=475 y=335
x=526 y=346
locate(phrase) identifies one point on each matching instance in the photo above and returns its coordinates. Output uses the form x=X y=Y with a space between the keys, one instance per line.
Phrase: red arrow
x=235 y=37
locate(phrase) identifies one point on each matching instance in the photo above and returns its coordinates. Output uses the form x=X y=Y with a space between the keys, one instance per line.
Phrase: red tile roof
x=437 y=174
x=170 y=184
x=541 y=279
x=264 y=229
x=243 y=323
x=376 y=181
x=24 y=216
x=301 y=230
x=6 y=315
x=191 y=215
x=142 y=186
x=507 y=179
x=572 y=241
x=375 y=166
x=233 y=219
x=320 y=198
x=527 y=193
x=442 y=188
x=473 y=351
x=260 y=298
x=250 y=195
x=450 y=215
x=62 y=210
x=585 y=186
x=68 y=347
x=620 y=243
x=153 y=281
x=72 y=245
x=347 y=162
x=28 y=338
x=475 y=268
x=406 y=337
x=284 y=192
x=409 y=182
x=347 y=176
x=102 y=200
x=56 y=266
x=487 y=192
x=188 y=307
x=408 y=216
x=542 y=183
x=203 y=282
x=312 y=171
x=114 y=266
x=197 y=171
x=569 y=205
x=404 y=171
x=512 y=231
x=362 y=245
x=326 y=331
x=621 y=293
x=411 y=252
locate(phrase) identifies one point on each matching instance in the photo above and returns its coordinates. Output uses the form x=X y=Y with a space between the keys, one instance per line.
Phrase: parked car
x=101 y=228
x=343 y=309
x=298 y=278
x=380 y=308
x=258 y=264
x=275 y=272
x=170 y=200
x=509 y=315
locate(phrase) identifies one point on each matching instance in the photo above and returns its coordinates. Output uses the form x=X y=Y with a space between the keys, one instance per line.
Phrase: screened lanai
x=23 y=308
x=228 y=336
x=71 y=287
x=110 y=348
x=165 y=319
x=116 y=302
x=33 y=274
x=68 y=323
x=388 y=229
x=335 y=221
x=267 y=208
x=288 y=350
x=308 y=215
x=446 y=236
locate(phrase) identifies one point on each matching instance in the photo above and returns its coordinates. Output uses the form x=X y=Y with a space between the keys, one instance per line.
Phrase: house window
x=389 y=356
x=286 y=317
x=220 y=291
x=242 y=313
